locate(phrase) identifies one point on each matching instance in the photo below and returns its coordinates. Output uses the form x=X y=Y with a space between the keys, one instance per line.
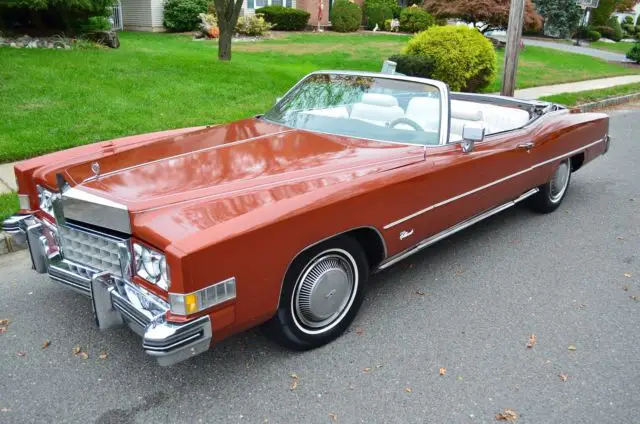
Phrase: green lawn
x=8 y=205
x=582 y=97
x=52 y=99
x=621 y=47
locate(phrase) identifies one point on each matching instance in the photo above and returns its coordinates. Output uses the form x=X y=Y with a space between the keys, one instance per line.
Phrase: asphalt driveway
x=468 y=304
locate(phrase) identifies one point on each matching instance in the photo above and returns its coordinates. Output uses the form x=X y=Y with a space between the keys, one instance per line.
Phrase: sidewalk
x=7 y=178
x=574 y=87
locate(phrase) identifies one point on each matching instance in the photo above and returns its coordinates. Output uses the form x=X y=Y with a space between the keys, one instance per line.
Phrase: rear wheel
x=553 y=192
x=321 y=295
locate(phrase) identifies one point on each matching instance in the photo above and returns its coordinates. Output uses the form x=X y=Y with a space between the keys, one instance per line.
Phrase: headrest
x=379 y=99
x=467 y=114
x=465 y=110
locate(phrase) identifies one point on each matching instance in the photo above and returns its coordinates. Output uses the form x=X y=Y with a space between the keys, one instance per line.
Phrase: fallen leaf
x=563 y=377
x=420 y=293
x=359 y=331
x=407 y=389
x=76 y=350
x=507 y=415
x=532 y=341
x=379 y=366
x=3 y=330
x=103 y=356
x=294 y=382
x=5 y=410
x=4 y=322
x=627 y=274
x=84 y=355
x=21 y=354
x=625 y=287
x=443 y=371
x=46 y=344
x=620 y=238
x=366 y=369
x=572 y=347
x=333 y=417
x=636 y=298
x=459 y=378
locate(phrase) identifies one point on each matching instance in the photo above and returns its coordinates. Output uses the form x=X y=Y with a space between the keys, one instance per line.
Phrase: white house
x=634 y=14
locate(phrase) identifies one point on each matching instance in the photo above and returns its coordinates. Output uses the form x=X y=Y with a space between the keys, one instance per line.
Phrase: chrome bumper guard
x=16 y=227
x=115 y=300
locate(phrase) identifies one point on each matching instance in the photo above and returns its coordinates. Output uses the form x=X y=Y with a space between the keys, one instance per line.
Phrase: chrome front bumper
x=115 y=300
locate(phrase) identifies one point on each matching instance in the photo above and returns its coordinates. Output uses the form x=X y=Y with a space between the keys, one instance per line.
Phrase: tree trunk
x=224 y=42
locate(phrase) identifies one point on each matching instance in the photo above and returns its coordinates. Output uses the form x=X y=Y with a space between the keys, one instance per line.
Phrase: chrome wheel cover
x=559 y=182
x=325 y=291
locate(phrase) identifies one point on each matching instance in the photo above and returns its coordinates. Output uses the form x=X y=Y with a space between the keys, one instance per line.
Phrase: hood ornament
x=95 y=167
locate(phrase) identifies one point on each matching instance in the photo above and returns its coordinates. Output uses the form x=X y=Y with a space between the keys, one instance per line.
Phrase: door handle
x=526 y=146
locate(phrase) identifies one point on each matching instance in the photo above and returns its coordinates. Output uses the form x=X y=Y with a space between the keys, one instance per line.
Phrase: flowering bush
x=252 y=25
x=209 y=25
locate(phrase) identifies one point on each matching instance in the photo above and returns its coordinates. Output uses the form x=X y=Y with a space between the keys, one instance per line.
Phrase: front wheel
x=553 y=192
x=321 y=295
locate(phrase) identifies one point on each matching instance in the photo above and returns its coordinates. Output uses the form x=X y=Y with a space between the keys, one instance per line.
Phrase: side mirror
x=277 y=100
x=471 y=133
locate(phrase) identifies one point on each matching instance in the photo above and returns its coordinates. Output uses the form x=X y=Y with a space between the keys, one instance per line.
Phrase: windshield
x=362 y=106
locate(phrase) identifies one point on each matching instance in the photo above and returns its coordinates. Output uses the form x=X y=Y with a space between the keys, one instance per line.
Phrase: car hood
x=196 y=179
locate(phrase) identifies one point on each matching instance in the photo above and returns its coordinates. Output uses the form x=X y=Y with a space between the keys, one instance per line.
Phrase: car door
x=455 y=185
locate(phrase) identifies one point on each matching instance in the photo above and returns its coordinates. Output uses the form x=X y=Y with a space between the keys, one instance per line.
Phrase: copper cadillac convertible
x=191 y=235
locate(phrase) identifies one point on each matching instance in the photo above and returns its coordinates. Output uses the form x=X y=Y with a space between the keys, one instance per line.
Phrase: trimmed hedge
x=413 y=65
x=182 y=15
x=345 y=16
x=391 y=4
x=285 y=18
x=634 y=53
x=462 y=56
x=617 y=28
x=376 y=15
x=605 y=31
x=414 y=19
x=593 y=35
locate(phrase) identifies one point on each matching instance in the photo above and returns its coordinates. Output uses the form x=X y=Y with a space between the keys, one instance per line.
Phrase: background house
x=146 y=15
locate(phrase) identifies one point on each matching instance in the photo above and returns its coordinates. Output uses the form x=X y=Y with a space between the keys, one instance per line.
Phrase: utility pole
x=512 y=50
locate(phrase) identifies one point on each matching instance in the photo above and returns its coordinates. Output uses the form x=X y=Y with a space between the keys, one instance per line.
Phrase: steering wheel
x=413 y=124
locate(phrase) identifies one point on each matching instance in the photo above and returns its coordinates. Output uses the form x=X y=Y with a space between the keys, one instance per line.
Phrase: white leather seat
x=496 y=118
x=425 y=111
x=461 y=113
x=378 y=109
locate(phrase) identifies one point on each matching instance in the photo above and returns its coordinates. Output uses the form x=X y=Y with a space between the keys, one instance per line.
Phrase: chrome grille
x=90 y=249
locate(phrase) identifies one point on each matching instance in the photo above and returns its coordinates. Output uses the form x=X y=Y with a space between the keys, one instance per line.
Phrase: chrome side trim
x=452 y=230
x=491 y=184
x=86 y=207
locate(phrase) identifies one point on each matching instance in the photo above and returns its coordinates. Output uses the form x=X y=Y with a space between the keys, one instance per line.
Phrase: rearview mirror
x=472 y=132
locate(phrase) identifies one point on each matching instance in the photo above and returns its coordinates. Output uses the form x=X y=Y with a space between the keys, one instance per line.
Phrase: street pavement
x=566 y=47
x=468 y=304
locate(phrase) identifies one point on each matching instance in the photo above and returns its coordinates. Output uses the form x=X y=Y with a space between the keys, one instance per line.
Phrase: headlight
x=45 y=200
x=151 y=265
x=185 y=304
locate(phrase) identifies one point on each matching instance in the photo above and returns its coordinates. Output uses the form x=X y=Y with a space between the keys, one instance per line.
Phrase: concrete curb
x=613 y=101
x=7 y=245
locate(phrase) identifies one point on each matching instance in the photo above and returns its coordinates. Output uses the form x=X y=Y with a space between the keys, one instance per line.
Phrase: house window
x=255 y=4
x=276 y=2
x=261 y=3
